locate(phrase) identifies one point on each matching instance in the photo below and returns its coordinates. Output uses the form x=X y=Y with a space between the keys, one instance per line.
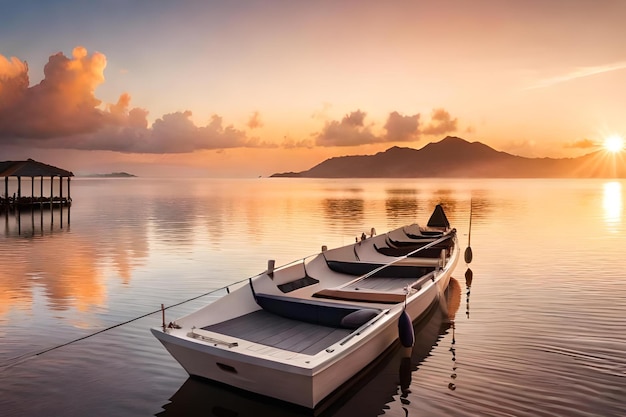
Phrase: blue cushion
x=316 y=312
x=359 y=318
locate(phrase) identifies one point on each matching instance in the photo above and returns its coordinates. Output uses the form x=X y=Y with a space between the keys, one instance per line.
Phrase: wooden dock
x=48 y=195
x=31 y=203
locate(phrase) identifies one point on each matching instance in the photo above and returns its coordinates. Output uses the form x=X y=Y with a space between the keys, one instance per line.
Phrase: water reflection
x=342 y=210
x=401 y=207
x=36 y=222
x=469 y=277
x=482 y=205
x=119 y=226
x=402 y=191
x=67 y=273
x=453 y=299
x=446 y=197
x=67 y=268
x=124 y=256
x=354 y=190
x=453 y=302
x=612 y=204
x=382 y=385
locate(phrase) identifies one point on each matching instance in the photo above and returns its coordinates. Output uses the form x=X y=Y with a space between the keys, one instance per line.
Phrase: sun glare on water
x=614 y=144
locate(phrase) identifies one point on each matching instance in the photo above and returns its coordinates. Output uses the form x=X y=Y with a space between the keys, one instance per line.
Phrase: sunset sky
x=248 y=88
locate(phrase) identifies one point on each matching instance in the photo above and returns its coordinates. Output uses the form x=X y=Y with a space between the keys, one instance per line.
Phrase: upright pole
x=19 y=197
x=51 y=191
x=69 y=201
x=61 y=203
x=51 y=200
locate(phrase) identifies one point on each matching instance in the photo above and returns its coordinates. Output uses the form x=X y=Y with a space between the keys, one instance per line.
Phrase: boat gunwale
x=259 y=363
x=313 y=361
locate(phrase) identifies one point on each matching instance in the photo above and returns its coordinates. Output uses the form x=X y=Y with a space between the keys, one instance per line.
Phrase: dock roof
x=31 y=168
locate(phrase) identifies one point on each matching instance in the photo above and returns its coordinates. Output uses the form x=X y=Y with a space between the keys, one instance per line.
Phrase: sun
x=614 y=143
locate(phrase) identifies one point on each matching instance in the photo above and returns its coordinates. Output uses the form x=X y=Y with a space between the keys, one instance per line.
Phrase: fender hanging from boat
x=405 y=330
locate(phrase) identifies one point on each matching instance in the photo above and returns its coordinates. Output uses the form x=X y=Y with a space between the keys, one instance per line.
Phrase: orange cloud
x=582 y=144
x=441 y=123
x=255 y=121
x=352 y=130
x=13 y=79
x=63 y=112
x=62 y=104
x=402 y=128
x=290 y=143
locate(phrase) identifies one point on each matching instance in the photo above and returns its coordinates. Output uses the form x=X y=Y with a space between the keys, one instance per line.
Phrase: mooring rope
x=16 y=360
x=19 y=359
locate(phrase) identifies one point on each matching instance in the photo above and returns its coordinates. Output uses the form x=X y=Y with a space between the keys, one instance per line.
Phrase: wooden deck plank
x=381 y=284
x=280 y=332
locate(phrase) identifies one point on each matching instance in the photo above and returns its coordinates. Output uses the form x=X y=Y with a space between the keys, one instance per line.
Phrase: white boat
x=300 y=331
x=371 y=394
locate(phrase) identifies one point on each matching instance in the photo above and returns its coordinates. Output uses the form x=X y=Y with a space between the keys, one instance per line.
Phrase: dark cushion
x=359 y=318
x=316 y=312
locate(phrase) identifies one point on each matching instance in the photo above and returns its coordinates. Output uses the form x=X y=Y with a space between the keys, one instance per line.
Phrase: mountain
x=111 y=175
x=454 y=157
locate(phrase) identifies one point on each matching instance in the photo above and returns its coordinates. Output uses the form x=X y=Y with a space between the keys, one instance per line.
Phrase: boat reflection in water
x=383 y=382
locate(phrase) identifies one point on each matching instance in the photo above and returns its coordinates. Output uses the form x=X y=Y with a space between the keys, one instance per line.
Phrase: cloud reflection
x=67 y=267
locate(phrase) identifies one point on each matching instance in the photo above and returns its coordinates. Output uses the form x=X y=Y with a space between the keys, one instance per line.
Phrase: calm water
x=541 y=333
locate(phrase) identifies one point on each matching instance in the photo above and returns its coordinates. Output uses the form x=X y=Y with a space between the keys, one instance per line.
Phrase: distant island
x=454 y=157
x=111 y=175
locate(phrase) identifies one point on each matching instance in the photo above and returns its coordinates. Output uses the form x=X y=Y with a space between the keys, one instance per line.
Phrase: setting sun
x=614 y=143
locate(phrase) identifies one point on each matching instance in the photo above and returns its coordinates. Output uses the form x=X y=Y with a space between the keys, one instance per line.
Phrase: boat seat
x=363 y=296
x=317 y=312
x=414 y=267
x=432 y=252
x=297 y=284
x=291 y=279
x=414 y=233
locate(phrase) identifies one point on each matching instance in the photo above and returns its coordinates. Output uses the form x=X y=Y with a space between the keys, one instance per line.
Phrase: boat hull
x=301 y=385
x=299 y=332
x=249 y=373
